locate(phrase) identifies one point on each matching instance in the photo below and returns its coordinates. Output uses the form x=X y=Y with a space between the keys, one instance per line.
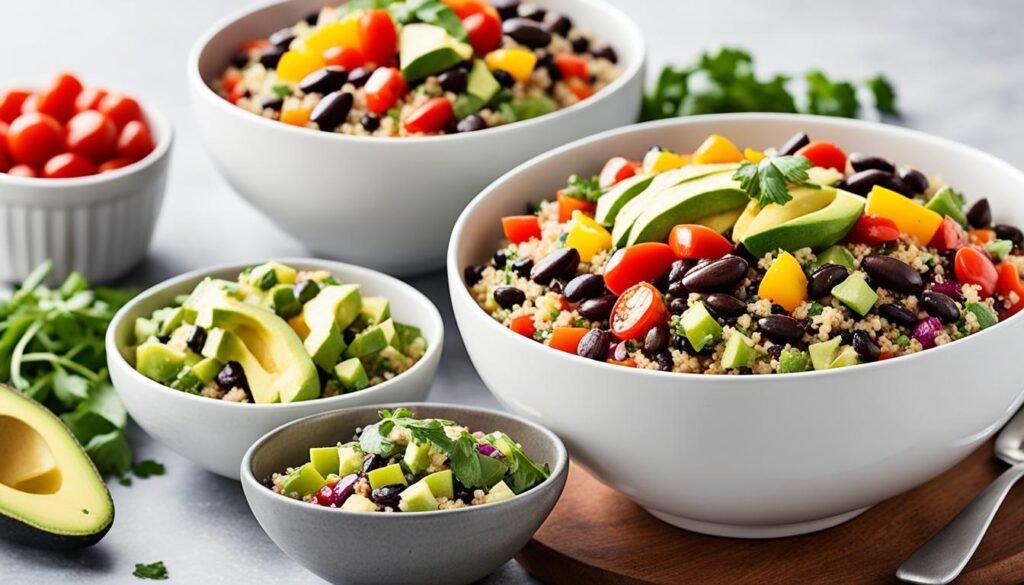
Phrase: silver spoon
x=941 y=559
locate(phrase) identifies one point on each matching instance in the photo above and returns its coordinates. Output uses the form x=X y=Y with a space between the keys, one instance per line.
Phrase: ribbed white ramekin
x=99 y=225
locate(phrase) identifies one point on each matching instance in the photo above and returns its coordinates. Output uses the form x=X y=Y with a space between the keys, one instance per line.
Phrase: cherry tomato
x=572 y=66
x=520 y=228
x=58 y=98
x=466 y=8
x=22 y=171
x=134 y=142
x=347 y=57
x=68 y=165
x=430 y=117
x=30 y=104
x=34 y=138
x=120 y=108
x=949 y=236
x=1008 y=285
x=825 y=155
x=698 y=241
x=566 y=205
x=377 y=37
x=637 y=310
x=114 y=164
x=92 y=135
x=523 y=325
x=11 y=102
x=973 y=267
x=484 y=31
x=384 y=87
x=873 y=230
x=637 y=263
x=616 y=169
x=90 y=98
x=580 y=88
x=567 y=339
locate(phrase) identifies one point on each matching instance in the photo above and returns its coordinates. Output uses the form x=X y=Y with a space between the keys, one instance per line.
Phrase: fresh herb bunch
x=725 y=81
x=583 y=188
x=768 y=181
x=52 y=350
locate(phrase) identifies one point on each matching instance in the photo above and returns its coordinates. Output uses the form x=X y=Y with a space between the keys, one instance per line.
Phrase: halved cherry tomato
x=120 y=108
x=22 y=171
x=523 y=325
x=973 y=267
x=384 y=87
x=637 y=263
x=68 y=165
x=572 y=66
x=135 y=141
x=1009 y=284
x=949 y=236
x=567 y=339
x=92 y=135
x=699 y=242
x=484 y=31
x=430 y=117
x=90 y=97
x=825 y=155
x=566 y=205
x=873 y=230
x=520 y=228
x=58 y=98
x=11 y=102
x=580 y=88
x=114 y=164
x=637 y=310
x=347 y=57
x=616 y=169
x=34 y=138
x=981 y=237
x=377 y=37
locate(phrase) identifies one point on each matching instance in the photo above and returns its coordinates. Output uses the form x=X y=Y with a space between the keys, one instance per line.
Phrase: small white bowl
x=751 y=456
x=386 y=203
x=100 y=225
x=214 y=434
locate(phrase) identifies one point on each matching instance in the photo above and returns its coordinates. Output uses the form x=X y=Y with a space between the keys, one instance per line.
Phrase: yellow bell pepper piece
x=754 y=156
x=517 y=62
x=785 y=283
x=295 y=65
x=911 y=217
x=343 y=33
x=587 y=236
x=717 y=149
x=656 y=161
x=296 y=116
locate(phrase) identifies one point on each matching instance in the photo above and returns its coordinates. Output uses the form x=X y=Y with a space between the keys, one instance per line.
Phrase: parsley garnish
x=767 y=181
x=281 y=90
x=523 y=473
x=583 y=188
x=830 y=98
x=154 y=571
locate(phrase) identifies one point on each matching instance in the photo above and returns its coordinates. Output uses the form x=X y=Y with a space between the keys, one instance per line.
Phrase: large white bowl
x=751 y=456
x=387 y=203
x=215 y=434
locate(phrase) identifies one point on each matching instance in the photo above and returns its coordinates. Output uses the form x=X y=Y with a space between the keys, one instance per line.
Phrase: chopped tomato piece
x=873 y=230
x=616 y=169
x=637 y=310
x=949 y=236
x=637 y=263
x=520 y=228
x=974 y=267
x=572 y=66
x=580 y=88
x=484 y=31
x=825 y=155
x=378 y=37
x=1009 y=287
x=567 y=339
x=698 y=241
x=347 y=57
x=567 y=204
x=384 y=87
x=523 y=325
x=430 y=117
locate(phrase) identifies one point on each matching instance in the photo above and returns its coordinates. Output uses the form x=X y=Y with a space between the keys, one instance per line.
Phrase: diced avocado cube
x=999 y=249
x=375 y=310
x=144 y=329
x=837 y=255
x=358 y=503
x=699 y=327
x=282 y=300
x=303 y=481
x=499 y=493
x=739 y=350
x=854 y=292
x=325 y=345
x=390 y=334
x=387 y=475
x=367 y=343
x=352 y=374
x=265 y=276
x=945 y=202
x=170 y=321
x=441 y=484
x=350 y=459
x=338 y=303
x=792 y=361
x=210 y=292
x=207 y=369
x=158 y=361
x=824 y=352
x=417 y=457
x=481 y=83
x=847 y=357
x=325 y=460
x=985 y=317
x=417 y=498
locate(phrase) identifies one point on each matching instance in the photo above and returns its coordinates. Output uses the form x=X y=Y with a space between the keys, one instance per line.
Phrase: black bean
x=561 y=262
x=679 y=268
x=331 y=111
x=780 y=328
x=607 y=53
x=306 y=290
x=471 y=123
x=522 y=267
x=240 y=59
x=358 y=76
x=370 y=122
x=980 y=214
x=527 y=32
x=597 y=309
x=915 y=180
x=893 y=274
x=940 y=305
x=716 y=276
x=509 y=296
x=531 y=11
x=775 y=350
x=779 y=309
x=862 y=162
x=798 y=141
x=324 y=80
x=678 y=306
x=584 y=286
x=825 y=279
x=504 y=78
x=547 y=62
x=388 y=495
x=897 y=314
x=862 y=182
x=725 y=306
x=232 y=376
x=579 y=45
x=1008 y=232
x=311 y=18
x=500 y=258
x=196 y=339
x=664 y=361
x=677 y=290
x=865 y=346
x=473 y=274
x=371 y=462
x=594 y=345
x=453 y=80
x=557 y=24
x=282 y=38
x=275 y=104
x=656 y=339
x=506 y=8
x=270 y=57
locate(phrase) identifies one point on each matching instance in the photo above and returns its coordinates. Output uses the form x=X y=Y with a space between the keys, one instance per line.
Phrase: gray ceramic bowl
x=449 y=547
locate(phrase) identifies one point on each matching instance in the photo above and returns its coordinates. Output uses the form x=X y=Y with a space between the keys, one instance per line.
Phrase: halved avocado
x=815 y=218
x=51 y=495
x=686 y=203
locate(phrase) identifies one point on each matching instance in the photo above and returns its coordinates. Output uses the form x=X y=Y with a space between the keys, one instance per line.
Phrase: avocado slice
x=945 y=202
x=609 y=204
x=854 y=292
x=375 y=310
x=352 y=374
x=417 y=498
x=387 y=475
x=746 y=218
x=481 y=83
x=441 y=484
x=426 y=49
x=722 y=221
x=838 y=255
x=499 y=493
x=158 y=361
x=51 y=495
x=815 y=218
x=686 y=203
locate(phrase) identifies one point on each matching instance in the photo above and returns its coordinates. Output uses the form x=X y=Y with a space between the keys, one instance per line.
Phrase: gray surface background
x=958 y=70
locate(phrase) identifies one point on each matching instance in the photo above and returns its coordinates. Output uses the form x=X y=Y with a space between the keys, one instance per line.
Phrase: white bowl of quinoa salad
x=213 y=428
x=756 y=455
x=382 y=197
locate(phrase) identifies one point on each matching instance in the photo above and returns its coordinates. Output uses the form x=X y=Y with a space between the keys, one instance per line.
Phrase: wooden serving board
x=597 y=536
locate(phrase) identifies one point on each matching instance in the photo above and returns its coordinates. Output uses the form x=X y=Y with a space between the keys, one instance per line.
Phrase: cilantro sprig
x=768 y=181
x=583 y=188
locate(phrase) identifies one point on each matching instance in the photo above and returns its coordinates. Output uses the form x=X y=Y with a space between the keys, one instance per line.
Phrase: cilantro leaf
x=830 y=98
x=583 y=188
x=767 y=181
x=523 y=473
x=148 y=468
x=374 y=439
x=884 y=94
x=153 y=571
x=110 y=452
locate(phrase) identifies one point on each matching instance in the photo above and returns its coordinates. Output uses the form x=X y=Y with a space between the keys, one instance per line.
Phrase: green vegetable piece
x=158 y=361
x=739 y=351
x=441 y=484
x=523 y=472
x=283 y=301
x=823 y=353
x=368 y=342
x=792 y=361
x=481 y=84
x=417 y=457
x=307 y=290
x=325 y=460
x=303 y=482
x=375 y=310
x=854 y=292
x=985 y=317
x=847 y=357
x=265 y=276
x=325 y=345
x=699 y=327
x=152 y=571
x=999 y=249
x=945 y=202
x=171 y=321
x=388 y=475
x=417 y=498
x=838 y=255
x=145 y=329
x=352 y=374
x=499 y=493
x=350 y=459
x=407 y=335
x=520 y=109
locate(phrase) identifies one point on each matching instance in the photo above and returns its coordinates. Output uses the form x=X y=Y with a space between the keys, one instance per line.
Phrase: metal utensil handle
x=941 y=559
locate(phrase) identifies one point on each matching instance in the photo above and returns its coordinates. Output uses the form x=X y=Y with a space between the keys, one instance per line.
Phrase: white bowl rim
x=632 y=34
x=433 y=316
x=153 y=116
x=455 y=272
x=557 y=468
